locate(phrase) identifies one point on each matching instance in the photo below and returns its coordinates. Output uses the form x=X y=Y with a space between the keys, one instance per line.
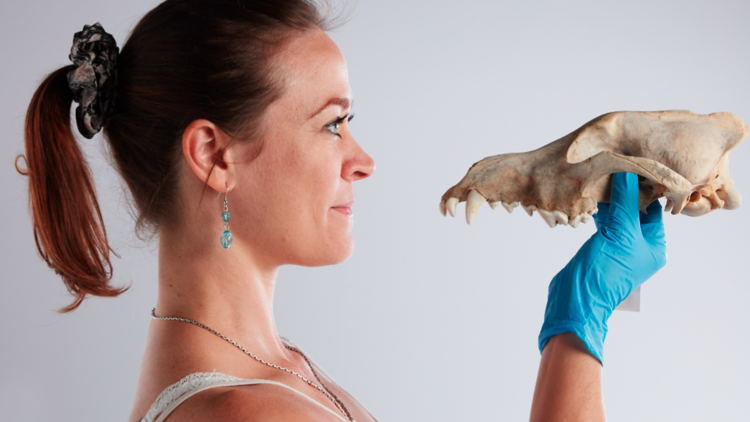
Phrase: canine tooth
x=442 y=208
x=473 y=203
x=669 y=205
x=494 y=204
x=529 y=209
x=451 y=206
x=575 y=221
x=548 y=217
x=510 y=206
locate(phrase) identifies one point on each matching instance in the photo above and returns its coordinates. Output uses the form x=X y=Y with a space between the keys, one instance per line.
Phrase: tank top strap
x=177 y=393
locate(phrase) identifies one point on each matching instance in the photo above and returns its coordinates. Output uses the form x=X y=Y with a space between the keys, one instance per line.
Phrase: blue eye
x=333 y=127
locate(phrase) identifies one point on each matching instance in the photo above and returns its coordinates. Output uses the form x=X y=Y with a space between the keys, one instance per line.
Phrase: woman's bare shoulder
x=259 y=402
x=174 y=355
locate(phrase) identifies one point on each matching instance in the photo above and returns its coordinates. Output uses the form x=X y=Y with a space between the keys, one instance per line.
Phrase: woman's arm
x=627 y=249
x=569 y=383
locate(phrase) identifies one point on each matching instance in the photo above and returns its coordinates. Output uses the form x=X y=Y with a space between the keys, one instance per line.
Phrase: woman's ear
x=205 y=148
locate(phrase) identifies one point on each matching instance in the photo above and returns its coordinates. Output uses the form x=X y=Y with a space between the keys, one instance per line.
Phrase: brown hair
x=185 y=60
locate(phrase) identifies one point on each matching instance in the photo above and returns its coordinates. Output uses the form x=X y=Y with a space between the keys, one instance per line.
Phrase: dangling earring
x=226 y=236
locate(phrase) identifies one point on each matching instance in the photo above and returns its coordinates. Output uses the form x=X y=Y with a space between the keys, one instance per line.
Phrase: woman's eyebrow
x=343 y=102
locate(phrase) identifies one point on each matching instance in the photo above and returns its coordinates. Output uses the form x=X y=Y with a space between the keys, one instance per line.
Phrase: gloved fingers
x=601 y=216
x=652 y=224
x=654 y=234
x=623 y=203
x=653 y=214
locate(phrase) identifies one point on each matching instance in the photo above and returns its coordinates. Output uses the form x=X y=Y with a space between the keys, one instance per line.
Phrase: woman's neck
x=221 y=288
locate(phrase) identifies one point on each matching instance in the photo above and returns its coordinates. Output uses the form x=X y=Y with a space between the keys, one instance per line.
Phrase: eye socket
x=333 y=127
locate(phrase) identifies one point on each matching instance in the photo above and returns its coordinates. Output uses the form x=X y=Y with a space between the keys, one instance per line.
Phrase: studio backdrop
x=431 y=319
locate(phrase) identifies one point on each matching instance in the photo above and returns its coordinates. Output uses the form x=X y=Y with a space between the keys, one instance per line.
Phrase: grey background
x=430 y=319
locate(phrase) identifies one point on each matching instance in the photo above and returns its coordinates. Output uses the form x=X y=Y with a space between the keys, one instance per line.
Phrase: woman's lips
x=345 y=209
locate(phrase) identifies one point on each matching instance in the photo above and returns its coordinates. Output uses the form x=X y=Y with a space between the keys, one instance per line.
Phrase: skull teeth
x=451 y=206
x=473 y=203
x=553 y=218
x=510 y=206
x=475 y=200
x=529 y=209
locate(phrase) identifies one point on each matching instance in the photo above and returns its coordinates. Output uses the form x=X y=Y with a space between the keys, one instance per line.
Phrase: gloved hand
x=628 y=248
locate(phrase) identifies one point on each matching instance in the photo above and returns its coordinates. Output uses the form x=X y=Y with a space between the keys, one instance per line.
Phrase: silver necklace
x=336 y=401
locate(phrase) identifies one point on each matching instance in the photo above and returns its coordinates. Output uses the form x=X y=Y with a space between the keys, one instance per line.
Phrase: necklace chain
x=331 y=396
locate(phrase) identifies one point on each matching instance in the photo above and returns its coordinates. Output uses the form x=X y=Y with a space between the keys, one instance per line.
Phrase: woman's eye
x=333 y=127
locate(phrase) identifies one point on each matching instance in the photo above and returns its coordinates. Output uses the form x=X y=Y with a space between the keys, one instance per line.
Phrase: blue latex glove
x=628 y=248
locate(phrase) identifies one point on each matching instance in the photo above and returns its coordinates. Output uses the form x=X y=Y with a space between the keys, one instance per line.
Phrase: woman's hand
x=628 y=248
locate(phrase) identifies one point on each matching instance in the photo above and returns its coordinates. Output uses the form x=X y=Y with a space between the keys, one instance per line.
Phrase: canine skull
x=680 y=155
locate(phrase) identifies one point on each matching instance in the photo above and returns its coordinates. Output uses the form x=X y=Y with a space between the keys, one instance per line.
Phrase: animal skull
x=680 y=155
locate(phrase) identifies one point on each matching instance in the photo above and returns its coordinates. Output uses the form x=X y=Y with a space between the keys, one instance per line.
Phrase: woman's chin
x=331 y=254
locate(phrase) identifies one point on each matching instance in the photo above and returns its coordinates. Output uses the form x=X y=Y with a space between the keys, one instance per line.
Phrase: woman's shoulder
x=262 y=402
x=176 y=361
x=222 y=383
x=220 y=397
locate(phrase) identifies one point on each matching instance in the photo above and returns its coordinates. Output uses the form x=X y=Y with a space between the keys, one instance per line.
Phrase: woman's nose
x=359 y=165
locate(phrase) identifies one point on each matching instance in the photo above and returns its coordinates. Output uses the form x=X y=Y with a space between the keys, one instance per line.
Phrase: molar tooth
x=494 y=204
x=473 y=203
x=548 y=217
x=560 y=217
x=529 y=209
x=575 y=221
x=510 y=206
x=442 y=208
x=585 y=217
x=451 y=206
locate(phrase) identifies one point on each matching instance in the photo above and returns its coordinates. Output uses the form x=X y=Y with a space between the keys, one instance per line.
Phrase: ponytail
x=68 y=226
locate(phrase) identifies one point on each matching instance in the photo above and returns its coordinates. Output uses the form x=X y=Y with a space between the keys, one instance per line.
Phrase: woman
x=248 y=101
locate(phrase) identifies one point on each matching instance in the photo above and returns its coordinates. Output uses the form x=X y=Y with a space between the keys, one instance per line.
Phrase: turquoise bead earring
x=226 y=236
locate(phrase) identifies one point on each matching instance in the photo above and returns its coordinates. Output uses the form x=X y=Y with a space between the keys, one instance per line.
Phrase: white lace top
x=193 y=384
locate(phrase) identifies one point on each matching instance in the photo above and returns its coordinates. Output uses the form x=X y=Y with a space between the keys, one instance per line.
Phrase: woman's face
x=297 y=193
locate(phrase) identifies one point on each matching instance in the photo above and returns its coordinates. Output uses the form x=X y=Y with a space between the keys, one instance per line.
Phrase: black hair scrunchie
x=94 y=78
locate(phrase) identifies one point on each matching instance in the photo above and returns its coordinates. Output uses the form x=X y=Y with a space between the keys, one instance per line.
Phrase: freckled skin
x=290 y=202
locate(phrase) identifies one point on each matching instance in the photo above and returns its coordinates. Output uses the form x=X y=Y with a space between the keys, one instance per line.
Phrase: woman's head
x=295 y=193
x=189 y=60
x=186 y=61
